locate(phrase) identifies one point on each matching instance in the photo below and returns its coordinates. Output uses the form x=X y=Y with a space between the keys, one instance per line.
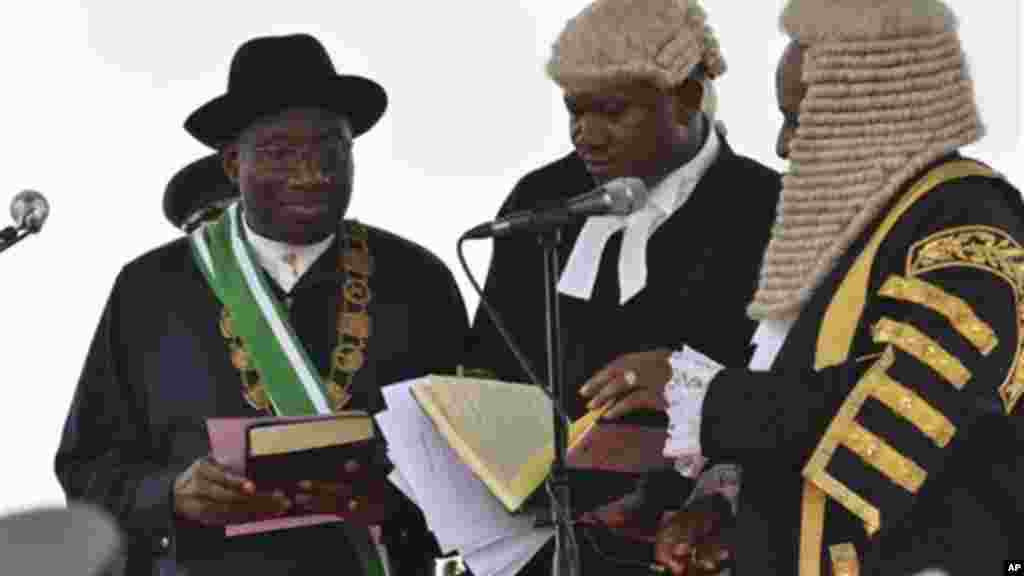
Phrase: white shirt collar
x=674 y=190
x=581 y=270
x=274 y=256
x=768 y=340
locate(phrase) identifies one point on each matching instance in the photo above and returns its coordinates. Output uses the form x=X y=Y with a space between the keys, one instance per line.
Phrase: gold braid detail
x=354 y=327
x=985 y=248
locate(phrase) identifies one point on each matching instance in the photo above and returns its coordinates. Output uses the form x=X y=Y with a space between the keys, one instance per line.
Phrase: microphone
x=29 y=209
x=621 y=197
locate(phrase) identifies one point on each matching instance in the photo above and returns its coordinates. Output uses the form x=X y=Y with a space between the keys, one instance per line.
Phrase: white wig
x=659 y=41
x=888 y=94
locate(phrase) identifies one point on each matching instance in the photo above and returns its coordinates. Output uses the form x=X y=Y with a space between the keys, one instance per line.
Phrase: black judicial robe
x=940 y=464
x=158 y=367
x=702 y=271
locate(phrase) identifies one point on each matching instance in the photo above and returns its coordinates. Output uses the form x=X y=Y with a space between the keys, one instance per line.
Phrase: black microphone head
x=29 y=209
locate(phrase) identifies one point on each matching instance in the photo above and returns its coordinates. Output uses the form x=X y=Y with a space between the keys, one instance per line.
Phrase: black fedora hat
x=197 y=192
x=271 y=73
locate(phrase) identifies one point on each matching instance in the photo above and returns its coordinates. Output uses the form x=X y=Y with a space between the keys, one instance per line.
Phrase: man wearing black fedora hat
x=197 y=193
x=310 y=312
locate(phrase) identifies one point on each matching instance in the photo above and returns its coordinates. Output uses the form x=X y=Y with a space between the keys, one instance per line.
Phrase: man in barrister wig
x=197 y=193
x=358 y=306
x=638 y=83
x=884 y=436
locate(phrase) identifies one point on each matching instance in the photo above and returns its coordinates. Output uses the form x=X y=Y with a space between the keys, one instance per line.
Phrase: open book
x=504 y=433
x=445 y=435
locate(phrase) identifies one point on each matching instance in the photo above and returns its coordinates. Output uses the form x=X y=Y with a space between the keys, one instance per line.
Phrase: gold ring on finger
x=630 y=377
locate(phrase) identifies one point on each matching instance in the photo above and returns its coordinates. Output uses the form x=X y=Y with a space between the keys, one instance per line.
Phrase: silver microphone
x=29 y=209
x=620 y=197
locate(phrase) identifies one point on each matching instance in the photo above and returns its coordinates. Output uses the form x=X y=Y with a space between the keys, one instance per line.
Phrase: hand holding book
x=697 y=540
x=629 y=383
x=477 y=452
x=209 y=494
x=325 y=467
x=364 y=500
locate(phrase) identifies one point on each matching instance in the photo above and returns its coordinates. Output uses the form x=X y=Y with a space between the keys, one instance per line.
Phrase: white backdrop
x=94 y=97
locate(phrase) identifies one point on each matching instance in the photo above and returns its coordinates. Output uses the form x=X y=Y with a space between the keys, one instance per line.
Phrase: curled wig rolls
x=888 y=93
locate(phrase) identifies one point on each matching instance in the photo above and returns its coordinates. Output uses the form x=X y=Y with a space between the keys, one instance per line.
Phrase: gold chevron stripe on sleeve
x=850 y=500
x=812 y=529
x=814 y=470
x=924 y=349
x=844 y=560
x=958 y=312
x=909 y=405
x=880 y=455
x=1012 y=390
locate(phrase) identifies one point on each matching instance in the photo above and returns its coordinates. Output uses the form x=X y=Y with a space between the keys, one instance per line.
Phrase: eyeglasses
x=325 y=156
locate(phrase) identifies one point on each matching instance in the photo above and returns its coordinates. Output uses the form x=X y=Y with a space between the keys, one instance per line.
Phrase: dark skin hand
x=688 y=542
x=369 y=503
x=210 y=495
x=327 y=497
x=631 y=382
x=691 y=543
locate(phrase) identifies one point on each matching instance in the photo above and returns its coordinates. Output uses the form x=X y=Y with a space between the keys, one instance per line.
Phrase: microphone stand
x=566 y=560
x=10 y=236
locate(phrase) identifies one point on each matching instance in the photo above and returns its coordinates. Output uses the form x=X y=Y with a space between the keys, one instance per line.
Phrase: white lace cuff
x=692 y=372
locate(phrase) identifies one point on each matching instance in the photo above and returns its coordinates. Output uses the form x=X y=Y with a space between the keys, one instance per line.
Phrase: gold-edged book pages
x=285 y=436
x=503 y=431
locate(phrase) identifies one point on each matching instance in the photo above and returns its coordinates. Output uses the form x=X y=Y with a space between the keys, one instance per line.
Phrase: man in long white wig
x=882 y=437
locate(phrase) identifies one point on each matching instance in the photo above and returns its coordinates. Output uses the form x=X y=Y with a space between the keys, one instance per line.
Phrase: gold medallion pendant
x=354 y=327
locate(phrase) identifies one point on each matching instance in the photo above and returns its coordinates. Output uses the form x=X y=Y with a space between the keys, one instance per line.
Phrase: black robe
x=158 y=367
x=702 y=271
x=967 y=514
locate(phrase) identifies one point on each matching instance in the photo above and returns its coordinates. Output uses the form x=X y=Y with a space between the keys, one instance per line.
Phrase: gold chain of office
x=354 y=327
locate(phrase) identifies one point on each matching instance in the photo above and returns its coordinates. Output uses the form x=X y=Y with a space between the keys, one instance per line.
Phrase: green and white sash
x=292 y=382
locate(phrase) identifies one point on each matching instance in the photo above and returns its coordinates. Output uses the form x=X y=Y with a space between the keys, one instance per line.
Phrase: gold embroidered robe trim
x=881 y=456
x=844 y=559
x=926 y=350
x=911 y=407
x=836 y=434
x=839 y=326
x=985 y=248
x=954 y=309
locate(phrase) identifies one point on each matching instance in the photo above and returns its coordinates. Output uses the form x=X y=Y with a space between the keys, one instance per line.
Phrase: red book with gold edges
x=279 y=452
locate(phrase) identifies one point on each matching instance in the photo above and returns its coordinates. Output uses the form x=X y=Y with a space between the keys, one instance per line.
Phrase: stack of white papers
x=460 y=510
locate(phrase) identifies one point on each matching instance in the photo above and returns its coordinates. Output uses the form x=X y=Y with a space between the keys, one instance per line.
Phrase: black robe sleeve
x=105 y=455
x=871 y=434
